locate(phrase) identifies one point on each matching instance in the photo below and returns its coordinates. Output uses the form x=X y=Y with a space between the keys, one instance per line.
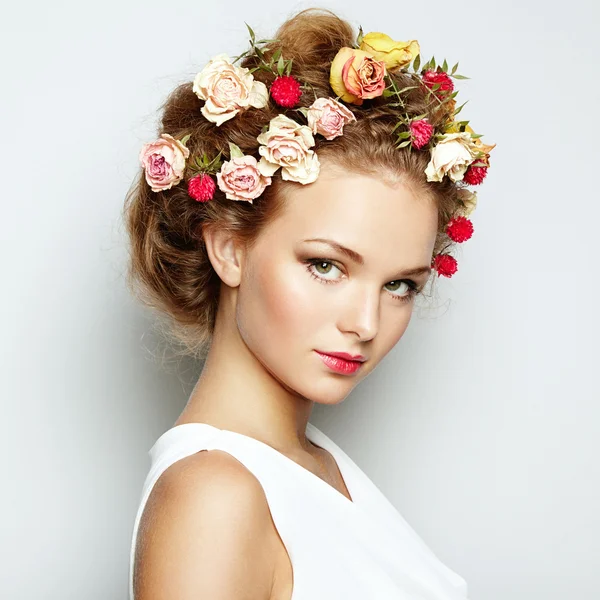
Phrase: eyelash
x=311 y=262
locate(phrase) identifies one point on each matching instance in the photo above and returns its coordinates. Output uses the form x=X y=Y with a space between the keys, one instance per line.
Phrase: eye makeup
x=312 y=263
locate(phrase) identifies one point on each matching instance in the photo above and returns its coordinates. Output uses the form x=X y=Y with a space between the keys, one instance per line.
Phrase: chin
x=330 y=389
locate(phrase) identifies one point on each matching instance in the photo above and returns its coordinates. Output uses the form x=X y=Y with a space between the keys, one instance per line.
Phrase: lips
x=339 y=364
x=346 y=356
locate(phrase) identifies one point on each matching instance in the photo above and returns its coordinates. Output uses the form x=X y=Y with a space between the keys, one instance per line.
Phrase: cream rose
x=327 y=116
x=287 y=144
x=164 y=162
x=241 y=179
x=227 y=89
x=469 y=201
x=451 y=156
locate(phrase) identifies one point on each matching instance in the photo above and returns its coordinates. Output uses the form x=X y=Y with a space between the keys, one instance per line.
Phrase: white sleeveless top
x=338 y=548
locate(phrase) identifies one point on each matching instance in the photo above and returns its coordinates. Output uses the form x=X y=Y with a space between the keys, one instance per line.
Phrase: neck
x=236 y=392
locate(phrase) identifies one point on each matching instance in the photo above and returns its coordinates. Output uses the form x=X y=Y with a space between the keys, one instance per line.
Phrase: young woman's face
x=299 y=298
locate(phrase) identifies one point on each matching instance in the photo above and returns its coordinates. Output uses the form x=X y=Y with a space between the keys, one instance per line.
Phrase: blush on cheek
x=285 y=294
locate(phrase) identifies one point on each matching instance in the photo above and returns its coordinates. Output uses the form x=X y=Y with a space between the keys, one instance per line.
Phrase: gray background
x=479 y=426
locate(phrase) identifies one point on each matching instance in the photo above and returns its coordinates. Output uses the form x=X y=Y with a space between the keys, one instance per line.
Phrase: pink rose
x=355 y=75
x=164 y=162
x=241 y=179
x=328 y=117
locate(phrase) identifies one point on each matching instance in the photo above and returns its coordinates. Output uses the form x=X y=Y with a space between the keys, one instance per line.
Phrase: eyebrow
x=357 y=258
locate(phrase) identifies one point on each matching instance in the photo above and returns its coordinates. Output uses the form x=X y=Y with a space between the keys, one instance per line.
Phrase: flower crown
x=357 y=74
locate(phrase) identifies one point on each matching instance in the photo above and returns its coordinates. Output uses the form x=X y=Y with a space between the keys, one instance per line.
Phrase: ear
x=225 y=254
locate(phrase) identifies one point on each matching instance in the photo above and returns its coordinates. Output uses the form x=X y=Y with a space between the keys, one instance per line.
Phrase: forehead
x=383 y=223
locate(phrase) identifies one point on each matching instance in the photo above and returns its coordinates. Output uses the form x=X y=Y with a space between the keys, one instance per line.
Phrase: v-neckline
x=343 y=468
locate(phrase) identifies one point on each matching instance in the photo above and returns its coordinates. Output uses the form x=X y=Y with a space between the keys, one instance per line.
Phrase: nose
x=360 y=313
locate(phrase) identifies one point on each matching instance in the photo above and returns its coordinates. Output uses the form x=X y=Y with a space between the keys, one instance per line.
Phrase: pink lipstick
x=341 y=362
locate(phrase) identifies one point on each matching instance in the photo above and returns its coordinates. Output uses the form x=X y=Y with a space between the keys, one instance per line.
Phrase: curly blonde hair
x=169 y=269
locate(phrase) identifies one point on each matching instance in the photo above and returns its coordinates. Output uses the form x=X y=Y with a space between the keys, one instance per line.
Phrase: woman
x=291 y=211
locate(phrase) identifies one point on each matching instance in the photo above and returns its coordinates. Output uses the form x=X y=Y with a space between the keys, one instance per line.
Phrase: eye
x=321 y=268
x=411 y=288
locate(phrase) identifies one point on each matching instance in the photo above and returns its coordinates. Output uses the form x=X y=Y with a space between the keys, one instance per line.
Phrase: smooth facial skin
x=276 y=309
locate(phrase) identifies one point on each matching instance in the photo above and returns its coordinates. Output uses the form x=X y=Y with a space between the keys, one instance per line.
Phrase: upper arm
x=205 y=533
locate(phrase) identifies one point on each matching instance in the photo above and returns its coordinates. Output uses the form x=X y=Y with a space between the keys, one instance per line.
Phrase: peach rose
x=227 y=89
x=241 y=179
x=164 y=162
x=355 y=75
x=395 y=55
x=286 y=144
x=451 y=156
x=327 y=116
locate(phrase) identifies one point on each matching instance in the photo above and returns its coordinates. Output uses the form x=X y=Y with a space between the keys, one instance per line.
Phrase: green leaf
x=280 y=65
x=216 y=161
x=435 y=87
x=459 y=108
x=445 y=66
x=403 y=144
x=289 y=66
x=359 y=37
x=252 y=36
x=234 y=151
x=454 y=69
x=387 y=93
x=417 y=63
x=276 y=54
x=186 y=138
x=403 y=135
x=460 y=77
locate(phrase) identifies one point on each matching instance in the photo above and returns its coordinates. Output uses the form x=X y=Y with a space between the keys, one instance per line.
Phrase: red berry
x=285 y=90
x=430 y=78
x=445 y=265
x=420 y=132
x=202 y=187
x=459 y=228
x=475 y=175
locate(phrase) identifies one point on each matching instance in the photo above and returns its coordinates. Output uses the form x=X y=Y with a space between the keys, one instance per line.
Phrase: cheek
x=280 y=303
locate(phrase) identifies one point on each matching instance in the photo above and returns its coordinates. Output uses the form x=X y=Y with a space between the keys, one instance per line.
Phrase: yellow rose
x=394 y=54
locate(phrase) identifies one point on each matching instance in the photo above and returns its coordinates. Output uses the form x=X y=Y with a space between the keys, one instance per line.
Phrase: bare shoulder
x=205 y=532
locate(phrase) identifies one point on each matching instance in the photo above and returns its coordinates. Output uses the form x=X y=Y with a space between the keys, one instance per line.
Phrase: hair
x=169 y=269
